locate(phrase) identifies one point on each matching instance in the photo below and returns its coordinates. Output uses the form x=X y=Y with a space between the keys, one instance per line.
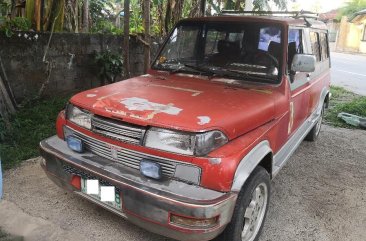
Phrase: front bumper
x=145 y=202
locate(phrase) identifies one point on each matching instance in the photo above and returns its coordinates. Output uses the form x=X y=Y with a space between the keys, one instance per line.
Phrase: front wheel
x=250 y=210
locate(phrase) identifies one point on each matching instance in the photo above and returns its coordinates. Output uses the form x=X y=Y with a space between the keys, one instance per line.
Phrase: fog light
x=74 y=143
x=193 y=222
x=150 y=169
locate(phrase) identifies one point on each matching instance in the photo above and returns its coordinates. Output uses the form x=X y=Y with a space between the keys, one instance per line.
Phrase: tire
x=252 y=199
x=314 y=133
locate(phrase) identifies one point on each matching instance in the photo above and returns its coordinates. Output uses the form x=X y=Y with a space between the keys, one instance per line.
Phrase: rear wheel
x=250 y=210
x=314 y=133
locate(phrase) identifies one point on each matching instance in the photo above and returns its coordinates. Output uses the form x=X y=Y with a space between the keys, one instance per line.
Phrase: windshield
x=241 y=51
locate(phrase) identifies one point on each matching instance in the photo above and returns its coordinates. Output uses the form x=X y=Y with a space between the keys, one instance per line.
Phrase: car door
x=318 y=79
x=299 y=82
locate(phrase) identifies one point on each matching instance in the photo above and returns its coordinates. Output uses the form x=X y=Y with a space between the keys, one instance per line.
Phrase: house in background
x=352 y=34
x=330 y=19
x=360 y=20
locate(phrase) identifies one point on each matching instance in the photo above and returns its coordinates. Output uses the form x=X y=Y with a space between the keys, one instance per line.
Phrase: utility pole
x=147 y=35
x=126 y=37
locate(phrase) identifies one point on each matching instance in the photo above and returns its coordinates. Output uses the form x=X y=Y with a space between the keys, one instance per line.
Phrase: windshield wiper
x=200 y=69
x=245 y=74
x=197 y=68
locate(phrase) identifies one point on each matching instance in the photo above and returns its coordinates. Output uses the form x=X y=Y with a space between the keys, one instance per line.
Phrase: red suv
x=189 y=149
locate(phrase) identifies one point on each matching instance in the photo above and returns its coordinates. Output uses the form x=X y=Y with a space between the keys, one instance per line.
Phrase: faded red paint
x=233 y=110
x=247 y=114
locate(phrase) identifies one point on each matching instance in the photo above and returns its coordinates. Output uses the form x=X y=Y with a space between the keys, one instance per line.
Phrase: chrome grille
x=121 y=155
x=118 y=130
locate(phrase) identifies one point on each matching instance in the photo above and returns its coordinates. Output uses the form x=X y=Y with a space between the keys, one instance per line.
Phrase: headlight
x=184 y=143
x=78 y=116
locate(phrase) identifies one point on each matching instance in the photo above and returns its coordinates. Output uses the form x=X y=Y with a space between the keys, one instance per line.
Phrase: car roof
x=283 y=20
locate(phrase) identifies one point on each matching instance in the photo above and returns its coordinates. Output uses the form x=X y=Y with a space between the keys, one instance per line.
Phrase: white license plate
x=101 y=193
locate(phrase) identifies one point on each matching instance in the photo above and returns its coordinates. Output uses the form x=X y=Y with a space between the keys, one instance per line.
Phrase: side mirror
x=303 y=63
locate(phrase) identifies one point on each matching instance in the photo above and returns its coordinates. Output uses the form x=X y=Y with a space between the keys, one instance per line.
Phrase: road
x=319 y=195
x=349 y=71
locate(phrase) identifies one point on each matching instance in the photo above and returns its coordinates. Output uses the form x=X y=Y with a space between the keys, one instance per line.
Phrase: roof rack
x=294 y=14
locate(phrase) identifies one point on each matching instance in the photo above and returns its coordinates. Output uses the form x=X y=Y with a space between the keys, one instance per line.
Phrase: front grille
x=121 y=155
x=118 y=130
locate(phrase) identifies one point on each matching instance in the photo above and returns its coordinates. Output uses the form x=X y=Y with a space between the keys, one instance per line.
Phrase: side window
x=295 y=45
x=324 y=46
x=315 y=45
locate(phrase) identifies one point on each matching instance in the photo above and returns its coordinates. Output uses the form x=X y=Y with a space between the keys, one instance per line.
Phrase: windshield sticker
x=203 y=120
x=140 y=104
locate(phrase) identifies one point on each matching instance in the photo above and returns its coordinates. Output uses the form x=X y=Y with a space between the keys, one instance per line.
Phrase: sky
x=319 y=6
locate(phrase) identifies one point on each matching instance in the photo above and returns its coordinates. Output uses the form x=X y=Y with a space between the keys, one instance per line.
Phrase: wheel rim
x=319 y=123
x=254 y=213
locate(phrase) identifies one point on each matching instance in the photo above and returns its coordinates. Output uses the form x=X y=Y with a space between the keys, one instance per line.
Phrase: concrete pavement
x=349 y=71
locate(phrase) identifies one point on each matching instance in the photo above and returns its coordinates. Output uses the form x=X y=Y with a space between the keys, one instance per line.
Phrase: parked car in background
x=188 y=150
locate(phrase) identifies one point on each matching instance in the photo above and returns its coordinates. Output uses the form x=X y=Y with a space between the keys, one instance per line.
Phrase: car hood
x=182 y=102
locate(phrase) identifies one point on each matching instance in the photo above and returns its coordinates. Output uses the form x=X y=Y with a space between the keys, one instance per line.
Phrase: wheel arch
x=260 y=155
x=326 y=100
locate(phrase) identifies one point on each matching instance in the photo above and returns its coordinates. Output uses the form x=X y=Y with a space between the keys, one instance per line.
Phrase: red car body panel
x=178 y=102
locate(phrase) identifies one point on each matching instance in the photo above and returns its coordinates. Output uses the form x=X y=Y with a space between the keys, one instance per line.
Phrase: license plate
x=101 y=193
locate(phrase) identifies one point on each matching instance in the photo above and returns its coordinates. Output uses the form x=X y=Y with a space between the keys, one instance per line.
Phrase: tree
x=351 y=8
x=86 y=16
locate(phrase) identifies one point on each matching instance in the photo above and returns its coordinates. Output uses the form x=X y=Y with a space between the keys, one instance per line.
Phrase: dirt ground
x=319 y=195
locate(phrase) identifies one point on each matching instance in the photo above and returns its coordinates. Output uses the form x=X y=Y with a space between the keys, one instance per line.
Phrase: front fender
x=249 y=163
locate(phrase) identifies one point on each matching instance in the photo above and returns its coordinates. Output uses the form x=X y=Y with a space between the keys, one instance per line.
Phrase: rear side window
x=324 y=45
x=295 y=40
x=315 y=45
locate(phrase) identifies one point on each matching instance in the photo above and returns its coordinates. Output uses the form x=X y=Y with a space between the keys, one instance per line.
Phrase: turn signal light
x=76 y=182
x=188 y=222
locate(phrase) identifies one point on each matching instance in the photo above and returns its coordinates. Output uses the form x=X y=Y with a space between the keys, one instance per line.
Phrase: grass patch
x=343 y=100
x=32 y=123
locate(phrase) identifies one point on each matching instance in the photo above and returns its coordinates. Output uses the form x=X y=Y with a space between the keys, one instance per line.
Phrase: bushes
x=16 y=24
x=32 y=123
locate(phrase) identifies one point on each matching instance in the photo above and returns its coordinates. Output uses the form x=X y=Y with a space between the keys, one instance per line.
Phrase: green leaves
x=105 y=27
x=15 y=24
x=32 y=123
x=110 y=66
x=352 y=7
x=263 y=5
